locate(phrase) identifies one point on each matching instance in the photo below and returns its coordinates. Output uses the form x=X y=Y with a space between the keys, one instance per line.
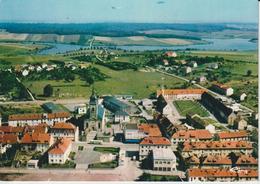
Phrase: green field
x=105 y=165
x=187 y=107
x=136 y=83
x=107 y=150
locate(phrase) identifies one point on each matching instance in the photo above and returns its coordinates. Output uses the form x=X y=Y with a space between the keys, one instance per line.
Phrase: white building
x=223 y=89
x=35 y=119
x=60 y=151
x=181 y=94
x=65 y=130
x=147 y=103
x=164 y=160
x=25 y=73
x=150 y=143
x=81 y=109
x=243 y=97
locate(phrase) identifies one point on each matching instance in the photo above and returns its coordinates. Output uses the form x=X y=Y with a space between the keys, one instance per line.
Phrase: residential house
x=36 y=142
x=187 y=70
x=64 y=130
x=223 y=89
x=213 y=65
x=202 y=79
x=6 y=141
x=59 y=152
x=25 y=73
x=164 y=160
x=147 y=104
x=81 y=109
x=150 y=143
x=171 y=54
x=240 y=124
x=242 y=97
x=193 y=64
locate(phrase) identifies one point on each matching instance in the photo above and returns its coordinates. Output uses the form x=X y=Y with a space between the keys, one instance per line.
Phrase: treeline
x=9 y=86
x=105 y=29
x=89 y=75
x=203 y=60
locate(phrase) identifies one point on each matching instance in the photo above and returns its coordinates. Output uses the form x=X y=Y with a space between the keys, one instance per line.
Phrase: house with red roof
x=64 y=130
x=149 y=143
x=59 y=152
x=223 y=89
x=35 y=119
x=36 y=142
x=6 y=141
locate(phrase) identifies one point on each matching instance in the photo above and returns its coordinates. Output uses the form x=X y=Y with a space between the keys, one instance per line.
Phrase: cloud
x=116 y=7
x=160 y=2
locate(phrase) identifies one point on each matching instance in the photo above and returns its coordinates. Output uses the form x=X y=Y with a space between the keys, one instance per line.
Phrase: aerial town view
x=140 y=90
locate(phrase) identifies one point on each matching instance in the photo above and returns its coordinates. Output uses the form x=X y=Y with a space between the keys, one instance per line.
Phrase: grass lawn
x=136 y=83
x=152 y=177
x=68 y=164
x=107 y=150
x=112 y=164
x=186 y=107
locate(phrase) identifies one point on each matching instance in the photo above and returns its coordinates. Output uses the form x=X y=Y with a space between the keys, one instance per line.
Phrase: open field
x=136 y=83
x=250 y=56
x=143 y=40
x=186 y=107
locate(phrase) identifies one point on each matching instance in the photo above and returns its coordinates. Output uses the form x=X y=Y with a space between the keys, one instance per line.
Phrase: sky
x=142 y=11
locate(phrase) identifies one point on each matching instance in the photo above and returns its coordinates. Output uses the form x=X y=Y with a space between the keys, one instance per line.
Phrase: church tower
x=93 y=103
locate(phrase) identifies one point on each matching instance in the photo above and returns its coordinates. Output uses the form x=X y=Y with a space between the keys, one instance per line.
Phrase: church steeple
x=93 y=102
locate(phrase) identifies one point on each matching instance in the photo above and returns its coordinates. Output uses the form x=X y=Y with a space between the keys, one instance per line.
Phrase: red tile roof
x=16 y=117
x=60 y=146
x=10 y=129
x=8 y=139
x=246 y=160
x=219 y=145
x=216 y=173
x=150 y=129
x=228 y=135
x=217 y=160
x=155 y=141
x=39 y=138
x=192 y=134
x=180 y=91
x=63 y=125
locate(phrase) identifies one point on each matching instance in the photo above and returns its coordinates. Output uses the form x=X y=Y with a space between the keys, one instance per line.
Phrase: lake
x=215 y=44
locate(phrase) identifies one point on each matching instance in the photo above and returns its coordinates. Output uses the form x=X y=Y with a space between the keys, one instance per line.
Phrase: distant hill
x=109 y=29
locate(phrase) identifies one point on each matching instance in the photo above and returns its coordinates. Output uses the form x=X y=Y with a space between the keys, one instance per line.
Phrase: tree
x=248 y=73
x=48 y=91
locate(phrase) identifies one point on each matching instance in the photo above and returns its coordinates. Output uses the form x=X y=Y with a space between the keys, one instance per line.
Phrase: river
x=214 y=44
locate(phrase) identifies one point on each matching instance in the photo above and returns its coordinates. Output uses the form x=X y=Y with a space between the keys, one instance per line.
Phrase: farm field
x=186 y=107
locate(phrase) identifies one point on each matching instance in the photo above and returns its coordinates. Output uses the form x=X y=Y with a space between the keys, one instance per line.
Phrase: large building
x=216 y=148
x=221 y=175
x=60 y=151
x=223 y=161
x=149 y=143
x=223 y=113
x=181 y=94
x=164 y=160
x=233 y=136
x=190 y=136
x=35 y=119
x=36 y=142
x=223 y=89
x=64 y=130
x=135 y=133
